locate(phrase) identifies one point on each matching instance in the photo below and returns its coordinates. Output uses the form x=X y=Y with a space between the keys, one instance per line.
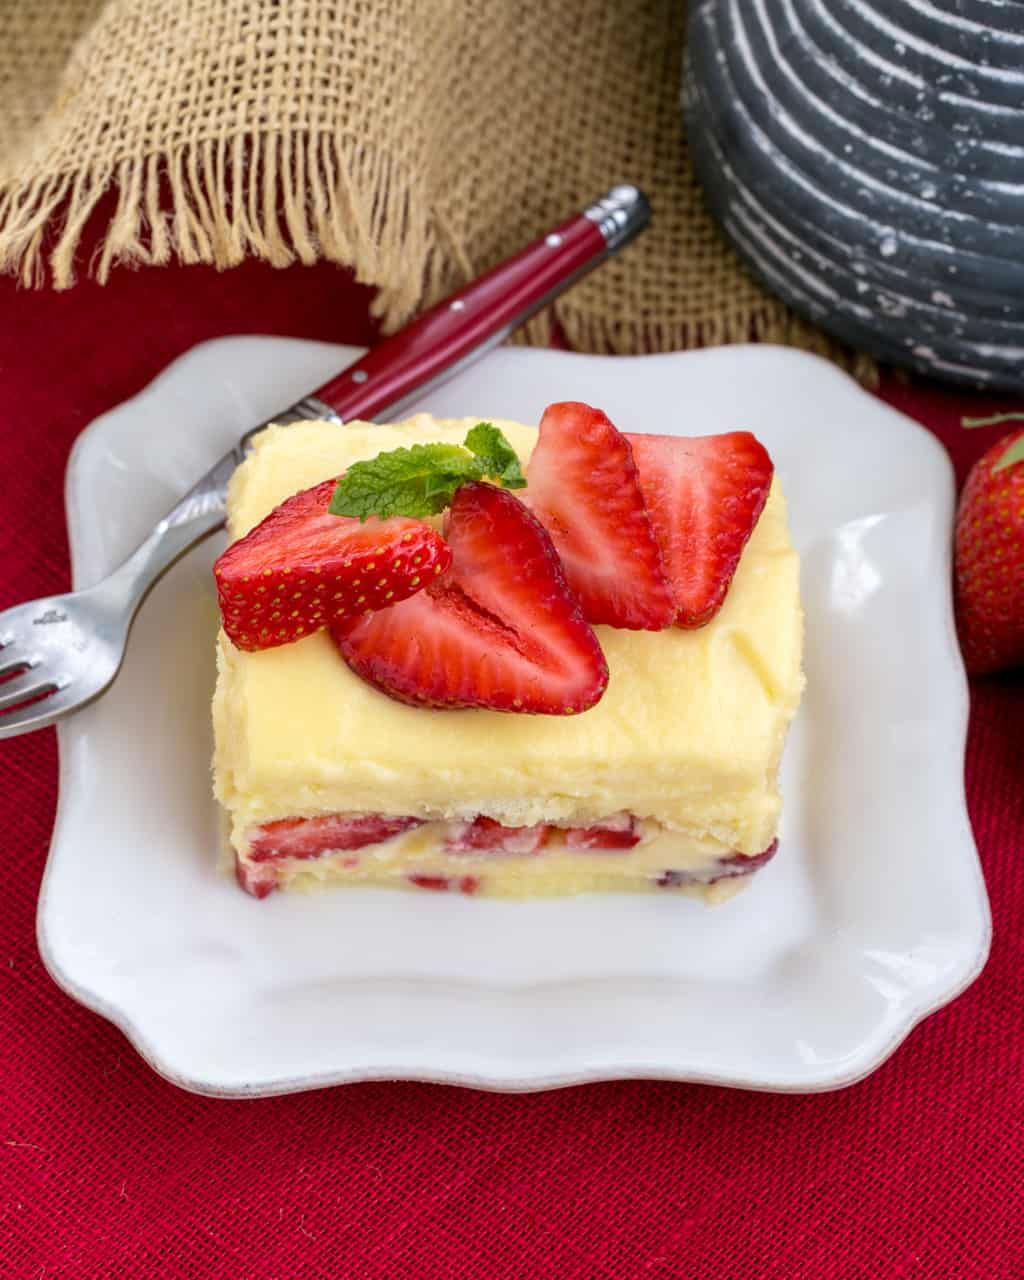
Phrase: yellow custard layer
x=688 y=734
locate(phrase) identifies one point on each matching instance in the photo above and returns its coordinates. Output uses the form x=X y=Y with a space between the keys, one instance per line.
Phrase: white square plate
x=873 y=914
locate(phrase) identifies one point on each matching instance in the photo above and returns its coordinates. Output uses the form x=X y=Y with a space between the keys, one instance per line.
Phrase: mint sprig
x=496 y=455
x=422 y=480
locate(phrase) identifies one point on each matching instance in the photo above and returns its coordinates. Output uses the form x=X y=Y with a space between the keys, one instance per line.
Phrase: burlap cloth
x=417 y=141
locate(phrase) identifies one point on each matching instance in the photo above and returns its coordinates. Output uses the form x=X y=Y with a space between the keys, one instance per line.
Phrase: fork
x=61 y=652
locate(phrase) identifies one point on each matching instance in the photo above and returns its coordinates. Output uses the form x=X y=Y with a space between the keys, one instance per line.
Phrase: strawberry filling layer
x=333 y=833
x=288 y=839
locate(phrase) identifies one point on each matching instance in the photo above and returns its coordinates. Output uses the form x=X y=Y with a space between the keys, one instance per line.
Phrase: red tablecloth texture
x=108 y=1171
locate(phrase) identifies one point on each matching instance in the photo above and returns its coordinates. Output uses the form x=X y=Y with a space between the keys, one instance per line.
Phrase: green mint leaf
x=418 y=481
x=497 y=457
x=1015 y=453
x=422 y=480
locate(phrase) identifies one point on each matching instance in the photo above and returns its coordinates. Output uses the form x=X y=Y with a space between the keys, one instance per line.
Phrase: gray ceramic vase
x=866 y=158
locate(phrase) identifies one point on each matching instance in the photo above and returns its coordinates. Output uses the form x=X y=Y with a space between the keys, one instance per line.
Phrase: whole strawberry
x=989 y=559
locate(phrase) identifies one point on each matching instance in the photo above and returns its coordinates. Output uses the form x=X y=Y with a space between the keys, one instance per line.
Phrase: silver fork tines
x=14 y=662
x=14 y=692
x=46 y=649
x=65 y=650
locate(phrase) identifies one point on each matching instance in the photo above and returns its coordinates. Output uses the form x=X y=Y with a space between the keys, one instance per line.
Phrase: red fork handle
x=443 y=340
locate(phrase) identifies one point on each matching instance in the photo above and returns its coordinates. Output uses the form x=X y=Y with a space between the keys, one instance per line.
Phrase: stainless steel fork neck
x=308 y=409
x=207 y=499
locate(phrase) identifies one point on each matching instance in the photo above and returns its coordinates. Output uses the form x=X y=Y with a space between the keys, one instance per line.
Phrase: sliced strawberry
x=583 y=487
x=313 y=837
x=256 y=881
x=442 y=884
x=439 y=884
x=501 y=629
x=704 y=496
x=742 y=864
x=486 y=834
x=727 y=868
x=301 y=567
x=614 y=833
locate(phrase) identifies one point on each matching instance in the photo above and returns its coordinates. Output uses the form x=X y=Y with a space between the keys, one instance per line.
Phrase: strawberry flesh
x=584 y=489
x=332 y=833
x=302 y=568
x=442 y=884
x=615 y=833
x=704 y=495
x=439 y=884
x=256 y=881
x=500 y=629
x=484 y=834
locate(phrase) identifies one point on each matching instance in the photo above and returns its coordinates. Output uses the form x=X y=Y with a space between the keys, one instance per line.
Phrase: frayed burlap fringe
x=415 y=141
x=280 y=197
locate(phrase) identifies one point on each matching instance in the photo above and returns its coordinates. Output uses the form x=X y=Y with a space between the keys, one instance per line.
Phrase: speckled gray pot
x=866 y=157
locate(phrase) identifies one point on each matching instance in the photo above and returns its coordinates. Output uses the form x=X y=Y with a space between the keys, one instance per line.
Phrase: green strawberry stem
x=994 y=420
x=1015 y=453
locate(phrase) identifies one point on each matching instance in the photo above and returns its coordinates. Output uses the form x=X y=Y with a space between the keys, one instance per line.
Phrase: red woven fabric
x=106 y=1171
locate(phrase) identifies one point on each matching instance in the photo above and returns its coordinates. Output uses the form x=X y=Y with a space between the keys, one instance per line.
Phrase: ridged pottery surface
x=866 y=157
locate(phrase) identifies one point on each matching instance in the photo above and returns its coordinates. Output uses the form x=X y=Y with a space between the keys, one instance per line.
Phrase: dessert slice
x=668 y=781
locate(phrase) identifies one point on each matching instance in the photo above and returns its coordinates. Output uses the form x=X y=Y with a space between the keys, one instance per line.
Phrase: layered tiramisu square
x=487 y=729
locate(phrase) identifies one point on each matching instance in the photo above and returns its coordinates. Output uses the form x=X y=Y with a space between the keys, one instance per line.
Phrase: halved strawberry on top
x=704 y=495
x=583 y=487
x=301 y=568
x=500 y=629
